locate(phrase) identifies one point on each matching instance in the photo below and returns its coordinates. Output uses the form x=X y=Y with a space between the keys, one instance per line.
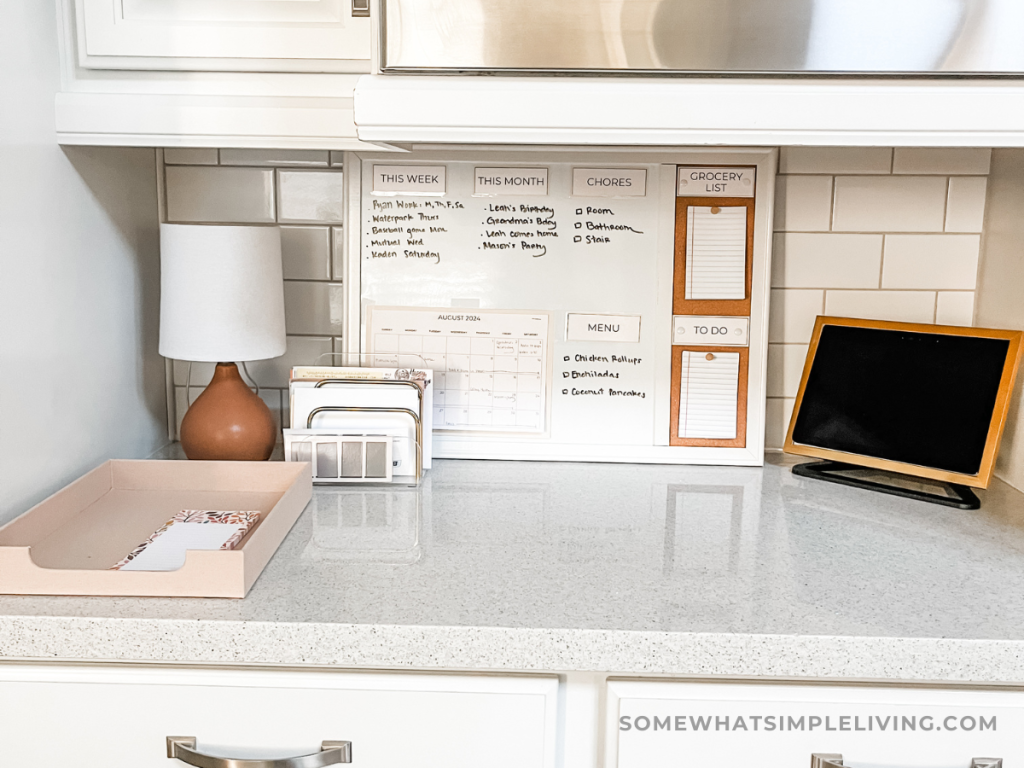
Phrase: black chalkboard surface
x=918 y=398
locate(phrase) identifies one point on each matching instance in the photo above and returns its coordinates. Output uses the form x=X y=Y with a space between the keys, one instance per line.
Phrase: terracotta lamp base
x=228 y=422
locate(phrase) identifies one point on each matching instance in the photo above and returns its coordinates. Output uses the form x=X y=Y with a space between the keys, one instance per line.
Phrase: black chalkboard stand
x=961 y=496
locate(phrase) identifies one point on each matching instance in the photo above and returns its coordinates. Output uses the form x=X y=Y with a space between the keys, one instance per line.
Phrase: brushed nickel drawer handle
x=827 y=760
x=331 y=753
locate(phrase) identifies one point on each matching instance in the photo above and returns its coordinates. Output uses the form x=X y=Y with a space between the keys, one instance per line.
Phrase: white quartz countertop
x=622 y=569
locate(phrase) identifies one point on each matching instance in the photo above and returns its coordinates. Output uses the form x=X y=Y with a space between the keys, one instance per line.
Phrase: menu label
x=579 y=327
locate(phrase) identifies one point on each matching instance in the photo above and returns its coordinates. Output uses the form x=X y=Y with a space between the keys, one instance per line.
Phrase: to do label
x=692 y=330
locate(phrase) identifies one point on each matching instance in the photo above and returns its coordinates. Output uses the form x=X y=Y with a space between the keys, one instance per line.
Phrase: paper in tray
x=183 y=530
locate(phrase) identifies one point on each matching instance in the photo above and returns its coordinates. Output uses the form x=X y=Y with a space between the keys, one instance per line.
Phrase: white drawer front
x=663 y=724
x=103 y=717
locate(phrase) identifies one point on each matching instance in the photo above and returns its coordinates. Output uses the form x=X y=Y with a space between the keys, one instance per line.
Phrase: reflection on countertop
x=618 y=549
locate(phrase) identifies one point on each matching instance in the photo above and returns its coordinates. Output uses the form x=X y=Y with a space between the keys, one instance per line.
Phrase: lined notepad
x=708 y=392
x=716 y=253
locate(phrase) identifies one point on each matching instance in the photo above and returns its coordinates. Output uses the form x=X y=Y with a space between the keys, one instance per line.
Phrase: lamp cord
x=249 y=375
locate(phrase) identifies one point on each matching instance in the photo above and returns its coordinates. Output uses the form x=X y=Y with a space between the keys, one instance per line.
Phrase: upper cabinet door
x=224 y=35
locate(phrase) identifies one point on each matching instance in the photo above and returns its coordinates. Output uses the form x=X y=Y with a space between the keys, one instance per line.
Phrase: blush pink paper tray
x=67 y=544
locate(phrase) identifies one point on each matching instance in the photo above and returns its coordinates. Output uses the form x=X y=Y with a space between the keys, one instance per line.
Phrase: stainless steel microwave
x=955 y=38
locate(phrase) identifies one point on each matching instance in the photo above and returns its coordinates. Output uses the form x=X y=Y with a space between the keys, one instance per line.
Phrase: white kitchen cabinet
x=662 y=724
x=223 y=35
x=120 y=716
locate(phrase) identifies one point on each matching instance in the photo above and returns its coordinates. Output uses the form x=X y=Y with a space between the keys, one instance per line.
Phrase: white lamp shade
x=221 y=293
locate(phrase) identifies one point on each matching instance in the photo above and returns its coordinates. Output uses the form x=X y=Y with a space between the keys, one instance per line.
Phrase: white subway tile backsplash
x=778 y=412
x=834 y=160
x=306 y=253
x=803 y=203
x=827 y=260
x=955 y=308
x=965 y=206
x=903 y=306
x=942 y=160
x=310 y=196
x=889 y=204
x=931 y=261
x=792 y=314
x=853 y=238
x=309 y=158
x=201 y=373
x=313 y=309
x=190 y=156
x=223 y=195
x=785 y=367
x=337 y=252
x=302 y=350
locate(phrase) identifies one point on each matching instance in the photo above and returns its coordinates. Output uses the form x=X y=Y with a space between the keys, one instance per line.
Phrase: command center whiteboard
x=552 y=294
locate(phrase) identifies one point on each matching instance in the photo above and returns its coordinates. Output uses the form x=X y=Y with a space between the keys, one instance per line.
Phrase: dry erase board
x=541 y=287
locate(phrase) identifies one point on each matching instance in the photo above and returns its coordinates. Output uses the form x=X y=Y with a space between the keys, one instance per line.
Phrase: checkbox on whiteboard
x=578 y=239
x=579 y=225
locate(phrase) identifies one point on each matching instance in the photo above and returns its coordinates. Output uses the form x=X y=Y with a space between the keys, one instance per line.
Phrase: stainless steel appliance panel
x=775 y=37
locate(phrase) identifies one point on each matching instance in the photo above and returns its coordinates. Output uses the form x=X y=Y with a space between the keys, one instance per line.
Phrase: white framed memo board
x=575 y=305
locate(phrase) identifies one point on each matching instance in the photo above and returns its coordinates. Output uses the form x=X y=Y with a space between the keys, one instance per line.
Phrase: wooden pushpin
x=709 y=356
x=715 y=209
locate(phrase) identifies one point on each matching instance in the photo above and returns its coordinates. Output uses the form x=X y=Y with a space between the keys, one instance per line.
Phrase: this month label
x=510 y=181
x=707 y=181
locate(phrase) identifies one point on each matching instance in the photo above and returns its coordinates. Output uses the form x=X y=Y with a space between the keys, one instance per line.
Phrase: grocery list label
x=409 y=179
x=609 y=182
x=697 y=181
x=510 y=181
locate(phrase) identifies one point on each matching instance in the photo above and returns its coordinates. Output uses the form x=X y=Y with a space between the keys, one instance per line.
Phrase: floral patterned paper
x=247 y=519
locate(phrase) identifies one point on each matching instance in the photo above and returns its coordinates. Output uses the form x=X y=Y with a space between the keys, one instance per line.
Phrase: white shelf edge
x=575 y=110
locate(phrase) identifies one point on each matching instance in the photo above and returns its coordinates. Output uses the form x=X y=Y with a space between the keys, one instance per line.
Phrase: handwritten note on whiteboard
x=716 y=252
x=708 y=391
x=490 y=367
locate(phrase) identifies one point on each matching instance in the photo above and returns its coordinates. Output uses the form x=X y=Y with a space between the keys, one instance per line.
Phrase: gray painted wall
x=80 y=378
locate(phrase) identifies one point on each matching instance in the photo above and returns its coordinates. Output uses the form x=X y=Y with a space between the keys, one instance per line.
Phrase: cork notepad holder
x=67 y=544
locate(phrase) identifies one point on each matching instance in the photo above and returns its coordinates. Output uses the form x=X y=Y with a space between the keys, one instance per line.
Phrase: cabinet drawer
x=662 y=724
x=116 y=717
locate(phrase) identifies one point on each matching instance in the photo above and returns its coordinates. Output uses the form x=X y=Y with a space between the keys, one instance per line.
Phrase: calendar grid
x=486 y=377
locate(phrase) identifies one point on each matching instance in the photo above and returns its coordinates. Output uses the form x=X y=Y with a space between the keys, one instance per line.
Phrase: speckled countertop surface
x=586 y=567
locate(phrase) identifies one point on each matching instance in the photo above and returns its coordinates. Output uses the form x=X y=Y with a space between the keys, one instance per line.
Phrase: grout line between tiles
x=945 y=205
x=832 y=205
x=881 y=262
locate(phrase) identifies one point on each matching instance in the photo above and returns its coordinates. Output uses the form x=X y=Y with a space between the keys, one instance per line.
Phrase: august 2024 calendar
x=490 y=367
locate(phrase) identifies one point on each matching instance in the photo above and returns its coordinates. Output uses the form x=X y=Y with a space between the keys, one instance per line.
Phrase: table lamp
x=222 y=301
